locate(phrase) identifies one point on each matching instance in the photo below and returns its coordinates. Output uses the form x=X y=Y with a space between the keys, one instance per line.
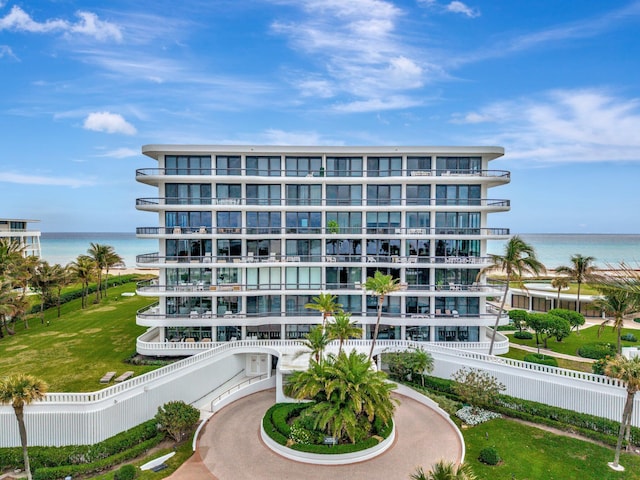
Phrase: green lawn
x=518 y=354
x=571 y=344
x=75 y=350
x=529 y=453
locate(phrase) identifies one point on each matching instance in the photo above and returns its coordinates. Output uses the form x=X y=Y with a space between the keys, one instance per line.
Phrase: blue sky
x=85 y=84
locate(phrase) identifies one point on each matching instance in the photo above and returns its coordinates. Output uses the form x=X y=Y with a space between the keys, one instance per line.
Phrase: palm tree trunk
x=23 y=439
x=619 y=332
x=578 y=298
x=495 y=327
x=375 y=332
x=626 y=414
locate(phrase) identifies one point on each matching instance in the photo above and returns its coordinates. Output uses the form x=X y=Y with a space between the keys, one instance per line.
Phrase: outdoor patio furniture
x=124 y=376
x=107 y=377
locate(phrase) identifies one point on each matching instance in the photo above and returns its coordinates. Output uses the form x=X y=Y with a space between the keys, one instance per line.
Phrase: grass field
x=518 y=354
x=73 y=352
x=529 y=453
x=571 y=344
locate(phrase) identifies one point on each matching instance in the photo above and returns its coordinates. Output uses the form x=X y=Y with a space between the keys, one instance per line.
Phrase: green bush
x=629 y=337
x=599 y=365
x=125 y=472
x=541 y=359
x=574 y=318
x=523 y=335
x=489 y=455
x=597 y=350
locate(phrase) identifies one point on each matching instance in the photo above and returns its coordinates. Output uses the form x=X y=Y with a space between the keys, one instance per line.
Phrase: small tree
x=575 y=319
x=556 y=327
x=519 y=318
x=409 y=364
x=177 y=419
x=476 y=387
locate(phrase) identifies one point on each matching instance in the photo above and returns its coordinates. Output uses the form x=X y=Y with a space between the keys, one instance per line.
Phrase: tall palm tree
x=20 y=390
x=519 y=258
x=342 y=328
x=43 y=281
x=7 y=309
x=444 y=470
x=60 y=278
x=616 y=303
x=316 y=341
x=11 y=252
x=559 y=283
x=349 y=394
x=380 y=285
x=100 y=254
x=83 y=269
x=627 y=370
x=326 y=304
x=111 y=259
x=580 y=270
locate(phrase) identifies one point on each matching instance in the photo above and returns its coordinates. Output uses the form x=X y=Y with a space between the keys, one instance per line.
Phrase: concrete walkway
x=230 y=447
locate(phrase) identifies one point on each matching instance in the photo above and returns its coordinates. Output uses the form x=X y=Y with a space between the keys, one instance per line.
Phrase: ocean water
x=64 y=247
x=552 y=250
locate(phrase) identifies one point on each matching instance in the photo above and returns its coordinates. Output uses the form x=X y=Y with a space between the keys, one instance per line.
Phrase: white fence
x=87 y=418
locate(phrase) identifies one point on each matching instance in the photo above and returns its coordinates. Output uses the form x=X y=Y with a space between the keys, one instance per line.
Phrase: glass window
x=347 y=222
x=187 y=165
x=383 y=194
x=264 y=304
x=295 y=331
x=470 y=165
x=304 y=166
x=384 y=166
x=263 y=194
x=417 y=305
x=263 y=248
x=419 y=165
x=344 y=194
x=263 y=166
x=263 y=278
x=458 y=248
x=465 y=306
x=228 y=165
x=382 y=222
x=343 y=277
x=303 y=278
x=304 y=194
x=458 y=195
x=417 y=278
x=308 y=250
x=418 y=220
x=304 y=222
x=419 y=247
x=383 y=247
x=229 y=248
x=229 y=222
x=457 y=223
x=295 y=304
x=344 y=166
x=418 y=195
x=351 y=303
x=188 y=193
x=226 y=191
x=187 y=220
x=263 y=223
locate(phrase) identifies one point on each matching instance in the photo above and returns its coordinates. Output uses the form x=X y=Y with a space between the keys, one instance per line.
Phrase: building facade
x=247 y=235
x=16 y=229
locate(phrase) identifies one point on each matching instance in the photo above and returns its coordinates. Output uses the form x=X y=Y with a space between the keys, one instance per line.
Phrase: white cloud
x=89 y=24
x=108 y=122
x=377 y=104
x=23 y=179
x=459 y=7
x=120 y=153
x=565 y=126
x=5 y=51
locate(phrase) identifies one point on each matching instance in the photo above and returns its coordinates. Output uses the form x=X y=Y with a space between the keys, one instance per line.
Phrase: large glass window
x=344 y=166
x=295 y=305
x=452 y=333
x=263 y=305
x=262 y=248
x=199 y=277
x=178 y=334
x=419 y=220
x=228 y=165
x=391 y=332
x=228 y=194
x=303 y=166
x=390 y=306
x=186 y=306
x=419 y=166
x=263 y=194
x=458 y=223
x=417 y=305
x=228 y=249
x=263 y=278
x=263 y=223
x=229 y=305
x=303 y=278
x=187 y=165
x=304 y=222
x=295 y=331
x=188 y=193
x=228 y=276
x=458 y=195
x=418 y=195
x=461 y=306
x=419 y=247
x=469 y=165
x=306 y=249
x=263 y=166
x=229 y=222
x=458 y=248
x=343 y=277
x=304 y=194
x=383 y=247
x=347 y=250
x=344 y=222
x=382 y=222
x=187 y=220
x=351 y=303
x=384 y=166
x=185 y=250
x=417 y=278
x=344 y=194
x=383 y=194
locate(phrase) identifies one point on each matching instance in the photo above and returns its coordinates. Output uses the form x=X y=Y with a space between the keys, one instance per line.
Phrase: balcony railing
x=331 y=232
x=146 y=172
x=223 y=261
x=331 y=202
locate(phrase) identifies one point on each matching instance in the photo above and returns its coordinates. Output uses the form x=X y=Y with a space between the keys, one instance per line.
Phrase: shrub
x=523 y=335
x=177 y=419
x=599 y=365
x=541 y=359
x=597 y=350
x=574 y=318
x=125 y=472
x=629 y=337
x=476 y=387
x=489 y=455
x=518 y=317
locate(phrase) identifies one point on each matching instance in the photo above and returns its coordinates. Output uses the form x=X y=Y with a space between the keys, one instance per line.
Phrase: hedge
x=597 y=350
x=541 y=359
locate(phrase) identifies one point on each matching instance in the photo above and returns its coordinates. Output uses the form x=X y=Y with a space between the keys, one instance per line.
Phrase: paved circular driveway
x=230 y=447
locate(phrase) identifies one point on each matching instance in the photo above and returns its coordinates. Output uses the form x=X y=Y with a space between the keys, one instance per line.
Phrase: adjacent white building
x=247 y=235
x=17 y=230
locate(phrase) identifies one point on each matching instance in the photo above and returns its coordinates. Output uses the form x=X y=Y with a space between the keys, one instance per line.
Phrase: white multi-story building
x=250 y=234
x=16 y=229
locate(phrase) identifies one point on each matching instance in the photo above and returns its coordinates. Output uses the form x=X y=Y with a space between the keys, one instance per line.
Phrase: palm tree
x=519 y=258
x=326 y=304
x=99 y=254
x=342 y=328
x=20 y=390
x=7 y=309
x=60 y=278
x=43 y=281
x=316 y=341
x=582 y=268
x=380 y=285
x=11 y=252
x=83 y=269
x=559 y=283
x=349 y=394
x=444 y=470
x=111 y=259
x=627 y=370
x=616 y=303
